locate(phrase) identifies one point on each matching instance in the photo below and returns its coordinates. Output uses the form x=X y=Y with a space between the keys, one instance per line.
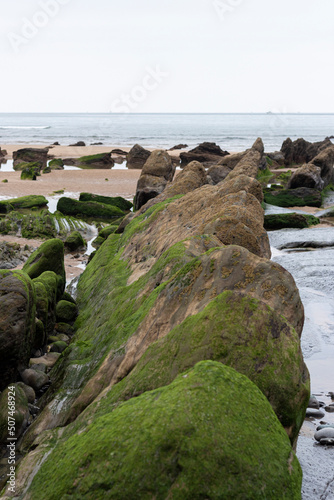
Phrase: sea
x=233 y=132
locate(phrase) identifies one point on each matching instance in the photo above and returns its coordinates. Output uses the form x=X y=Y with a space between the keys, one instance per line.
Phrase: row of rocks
x=325 y=432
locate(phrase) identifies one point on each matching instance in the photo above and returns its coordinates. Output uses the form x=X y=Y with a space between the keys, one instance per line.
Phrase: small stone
x=326 y=433
x=29 y=391
x=33 y=409
x=313 y=403
x=314 y=413
x=329 y=409
x=48 y=360
x=325 y=426
x=34 y=378
x=327 y=441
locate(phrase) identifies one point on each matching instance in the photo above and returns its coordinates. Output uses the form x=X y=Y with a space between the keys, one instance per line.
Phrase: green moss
x=210 y=434
x=21 y=412
x=56 y=163
x=46 y=303
x=264 y=175
x=294 y=220
x=29 y=172
x=28 y=202
x=66 y=312
x=94 y=210
x=284 y=176
x=117 y=201
x=292 y=198
x=74 y=241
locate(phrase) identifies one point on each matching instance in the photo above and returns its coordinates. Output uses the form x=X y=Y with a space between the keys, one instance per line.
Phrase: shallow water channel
x=313 y=271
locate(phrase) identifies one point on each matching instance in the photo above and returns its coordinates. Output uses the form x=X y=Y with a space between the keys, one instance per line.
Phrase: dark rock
x=20 y=414
x=302 y=151
x=31 y=155
x=98 y=161
x=325 y=161
x=277 y=157
x=66 y=312
x=97 y=144
x=3 y=153
x=88 y=209
x=308 y=176
x=56 y=164
x=207 y=153
x=58 y=346
x=56 y=144
x=35 y=379
x=12 y=255
x=179 y=146
x=79 y=143
x=157 y=171
x=218 y=173
x=329 y=409
x=327 y=441
x=119 y=152
x=299 y=197
x=29 y=171
x=314 y=413
x=325 y=433
x=17 y=324
x=74 y=241
x=282 y=221
x=137 y=157
x=313 y=403
x=116 y=201
x=29 y=391
x=231 y=161
x=47 y=293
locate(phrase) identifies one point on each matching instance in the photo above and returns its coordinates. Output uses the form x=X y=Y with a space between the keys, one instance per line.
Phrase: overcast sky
x=167 y=56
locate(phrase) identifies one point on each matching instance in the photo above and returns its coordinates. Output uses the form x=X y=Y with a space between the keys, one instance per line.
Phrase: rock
x=329 y=409
x=282 y=221
x=117 y=201
x=207 y=153
x=39 y=367
x=12 y=255
x=137 y=157
x=277 y=157
x=64 y=328
x=55 y=143
x=17 y=324
x=314 y=413
x=148 y=457
x=28 y=391
x=79 y=143
x=178 y=146
x=302 y=151
x=29 y=171
x=20 y=414
x=47 y=293
x=156 y=172
x=58 y=346
x=313 y=403
x=88 y=209
x=56 y=164
x=324 y=426
x=48 y=257
x=29 y=155
x=118 y=159
x=74 y=241
x=3 y=153
x=251 y=162
x=35 y=379
x=99 y=161
x=97 y=144
x=67 y=296
x=308 y=176
x=327 y=441
x=32 y=201
x=218 y=173
x=66 y=312
x=119 y=152
x=299 y=197
x=49 y=360
x=325 y=161
x=325 y=433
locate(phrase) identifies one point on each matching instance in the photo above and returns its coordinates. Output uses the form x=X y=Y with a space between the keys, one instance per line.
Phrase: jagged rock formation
x=302 y=151
x=30 y=155
x=137 y=157
x=207 y=153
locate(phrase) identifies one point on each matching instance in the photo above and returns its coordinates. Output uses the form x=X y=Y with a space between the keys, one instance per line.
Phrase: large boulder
x=302 y=151
x=116 y=201
x=137 y=157
x=17 y=324
x=48 y=257
x=209 y=434
x=156 y=173
x=325 y=161
x=298 y=197
x=308 y=176
x=88 y=209
x=31 y=201
x=207 y=153
x=218 y=173
x=28 y=155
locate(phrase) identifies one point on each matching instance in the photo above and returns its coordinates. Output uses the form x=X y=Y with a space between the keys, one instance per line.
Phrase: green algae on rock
x=280 y=221
x=74 y=241
x=16 y=395
x=299 y=197
x=31 y=201
x=117 y=201
x=91 y=209
x=209 y=434
x=66 y=312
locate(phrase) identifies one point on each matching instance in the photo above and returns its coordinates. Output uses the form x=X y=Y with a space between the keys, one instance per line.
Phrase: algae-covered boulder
x=31 y=201
x=281 y=221
x=47 y=291
x=98 y=161
x=74 y=241
x=29 y=155
x=299 y=197
x=29 y=171
x=209 y=434
x=17 y=324
x=48 y=257
x=90 y=209
x=115 y=201
x=14 y=413
x=56 y=164
x=239 y=331
x=66 y=312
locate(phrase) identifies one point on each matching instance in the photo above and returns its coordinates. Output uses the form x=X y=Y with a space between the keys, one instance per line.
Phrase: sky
x=187 y=56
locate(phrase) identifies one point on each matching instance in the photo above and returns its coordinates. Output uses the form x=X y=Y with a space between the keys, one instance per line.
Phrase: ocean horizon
x=232 y=131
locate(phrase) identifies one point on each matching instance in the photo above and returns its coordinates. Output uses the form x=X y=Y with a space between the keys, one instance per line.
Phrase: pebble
x=313 y=403
x=329 y=409
x=325 y=426
x=35 y=379
x=327 y=441
x=313 y=412
x=325 y=433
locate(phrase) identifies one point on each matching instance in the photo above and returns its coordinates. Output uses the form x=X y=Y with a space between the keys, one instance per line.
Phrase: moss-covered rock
x=17 y=324
x=210 y=434
x=117 y=201
x=93 y=210
x=58 y=346
x=56 y=164
x=74 y=241
x=103 y=235
x=98 y=161
x=67 y=296
x=40 y=225
x=48 y=257
x=13 y=398
x=66 y=312
x=31 y=201
x=29 y=171
x=47 y=290
x=299 y=197
x=294 y=220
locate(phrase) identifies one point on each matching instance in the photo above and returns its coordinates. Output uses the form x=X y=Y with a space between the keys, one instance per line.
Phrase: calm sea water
x=233 y=132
